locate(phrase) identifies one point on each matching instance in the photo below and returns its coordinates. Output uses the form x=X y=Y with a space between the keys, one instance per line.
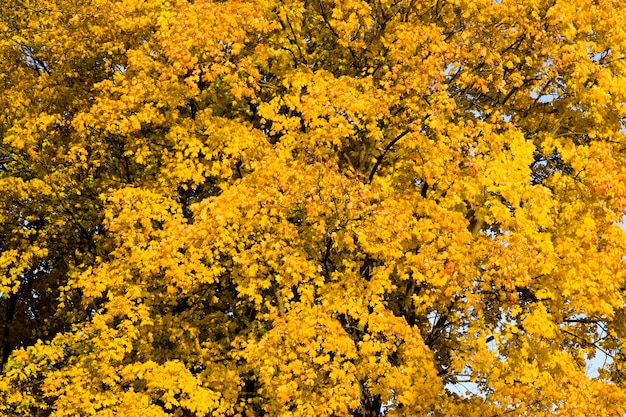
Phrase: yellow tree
x=312 y=208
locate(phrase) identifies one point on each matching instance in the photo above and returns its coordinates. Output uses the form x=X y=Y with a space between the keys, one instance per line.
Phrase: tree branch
x=387 y=149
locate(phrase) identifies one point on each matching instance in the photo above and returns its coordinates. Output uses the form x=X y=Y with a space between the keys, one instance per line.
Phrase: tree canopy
x=312 y=208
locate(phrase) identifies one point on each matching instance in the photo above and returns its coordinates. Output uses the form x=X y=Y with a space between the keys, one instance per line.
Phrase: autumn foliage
x=312 y=208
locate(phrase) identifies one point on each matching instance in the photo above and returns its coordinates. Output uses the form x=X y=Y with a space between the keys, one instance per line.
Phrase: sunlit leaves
x=312 y=207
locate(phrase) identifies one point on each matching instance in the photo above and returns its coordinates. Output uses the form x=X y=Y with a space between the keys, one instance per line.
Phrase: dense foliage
x=312 y=208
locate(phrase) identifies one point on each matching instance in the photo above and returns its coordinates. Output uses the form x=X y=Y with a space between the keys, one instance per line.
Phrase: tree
x=312 y=207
